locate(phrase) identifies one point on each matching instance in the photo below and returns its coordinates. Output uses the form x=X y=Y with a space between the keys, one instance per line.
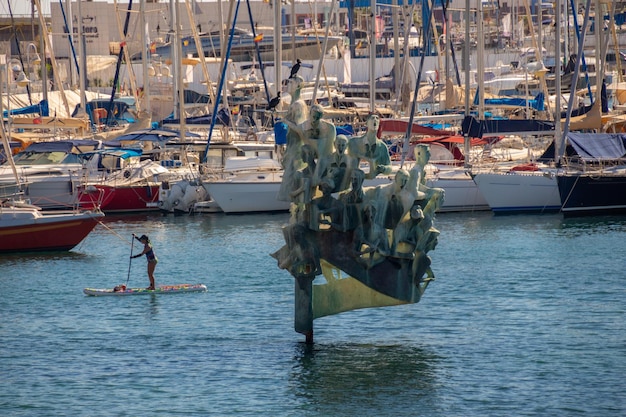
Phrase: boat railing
x=595 y=166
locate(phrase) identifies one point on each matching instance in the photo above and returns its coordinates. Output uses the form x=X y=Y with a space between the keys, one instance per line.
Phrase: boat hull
x=584 y=195
x=461 y=192
x=515 y=192
x=246 y=197
x=25 y=232
x=121 y=199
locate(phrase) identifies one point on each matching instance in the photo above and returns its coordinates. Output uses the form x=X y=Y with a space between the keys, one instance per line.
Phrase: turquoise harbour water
x=526 y=318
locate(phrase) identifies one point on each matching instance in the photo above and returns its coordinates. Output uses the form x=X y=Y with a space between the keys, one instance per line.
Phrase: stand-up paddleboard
x=160 y=289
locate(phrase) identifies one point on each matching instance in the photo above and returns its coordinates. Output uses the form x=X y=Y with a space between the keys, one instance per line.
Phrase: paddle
x=130 y=261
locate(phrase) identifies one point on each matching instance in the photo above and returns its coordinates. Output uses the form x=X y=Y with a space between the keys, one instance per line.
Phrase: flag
x=258 y=38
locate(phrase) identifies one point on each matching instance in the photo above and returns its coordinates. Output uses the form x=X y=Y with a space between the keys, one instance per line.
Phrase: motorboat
x=190 y=192
x=126 y=183
x=50 y=172
x=248 y=184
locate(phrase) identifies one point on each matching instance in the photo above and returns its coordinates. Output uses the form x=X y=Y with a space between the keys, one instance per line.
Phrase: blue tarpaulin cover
x=123 y=153
x=41 y=108
x=538 y=103
x=598 y=146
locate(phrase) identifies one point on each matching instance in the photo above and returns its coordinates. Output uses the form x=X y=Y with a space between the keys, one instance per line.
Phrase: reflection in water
x=366 y=379
x=599 y=224
x=154 y=305
x=12 y=259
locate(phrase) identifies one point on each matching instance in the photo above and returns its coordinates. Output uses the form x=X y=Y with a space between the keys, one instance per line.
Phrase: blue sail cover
x=61 y=145
x=538 y=103
x=478 y=128
x=41 y=109
x=150 y=135
x=598 y=146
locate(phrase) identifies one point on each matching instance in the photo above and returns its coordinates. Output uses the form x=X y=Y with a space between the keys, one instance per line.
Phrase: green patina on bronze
x=363 y=246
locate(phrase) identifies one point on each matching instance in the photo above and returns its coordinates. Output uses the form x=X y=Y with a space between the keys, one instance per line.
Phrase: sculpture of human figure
x=422 y=156
x=297 y=114
x=389 y=199
x=300 y=255
x=408 y=232
x=353 y=200
x=371 y=149
x=392 y=197
x=318 y=133
x=371 y=235
x=433 y=196
x=303 y=180
x=338 y=165
x=326 y=209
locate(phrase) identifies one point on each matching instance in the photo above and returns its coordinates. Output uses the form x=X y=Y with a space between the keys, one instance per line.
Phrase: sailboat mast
x=466 y=66
x=144 y=56
x=19 y=51
x=278 y=47
x=570 y=102
x=372 y=58
x=557 y=80
x=83 y=59
x=44 y=35
x=480 y=63
x=179 y=85
x=4 y=76
x=222 y=78
x=323 y=55
x=200 y=51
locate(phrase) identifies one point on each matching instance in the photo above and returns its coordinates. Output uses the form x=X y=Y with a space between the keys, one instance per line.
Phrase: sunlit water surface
x=526 y=317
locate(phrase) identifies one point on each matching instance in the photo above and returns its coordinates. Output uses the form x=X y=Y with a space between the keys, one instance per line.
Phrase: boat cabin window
x=45 y=158
x=110 y=162
x=259 y=154
x=216 y=158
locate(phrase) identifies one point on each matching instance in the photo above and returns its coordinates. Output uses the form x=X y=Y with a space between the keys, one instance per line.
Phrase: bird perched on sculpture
x=295 y=68
x=274 y=102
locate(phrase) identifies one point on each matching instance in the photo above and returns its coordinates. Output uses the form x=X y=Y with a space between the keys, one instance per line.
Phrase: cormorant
x=295 y=68
x=274 y=102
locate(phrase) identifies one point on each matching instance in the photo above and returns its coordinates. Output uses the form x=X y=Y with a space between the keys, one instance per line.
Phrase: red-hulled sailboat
x=25 y=228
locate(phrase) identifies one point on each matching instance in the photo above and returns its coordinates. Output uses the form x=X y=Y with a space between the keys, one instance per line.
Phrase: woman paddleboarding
x=150 y=256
